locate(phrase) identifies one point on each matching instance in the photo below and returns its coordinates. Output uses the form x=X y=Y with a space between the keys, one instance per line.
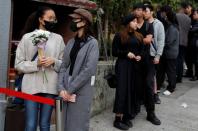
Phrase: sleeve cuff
x=157 y=56
x=56 y=65
x=61 y=89
x=70 y=91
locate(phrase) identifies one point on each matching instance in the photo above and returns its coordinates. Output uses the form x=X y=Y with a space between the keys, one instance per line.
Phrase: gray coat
x=171 y=49
x=184 y=27
x=80 y=83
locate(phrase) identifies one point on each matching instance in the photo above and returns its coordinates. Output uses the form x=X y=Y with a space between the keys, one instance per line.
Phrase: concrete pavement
x=174 y=117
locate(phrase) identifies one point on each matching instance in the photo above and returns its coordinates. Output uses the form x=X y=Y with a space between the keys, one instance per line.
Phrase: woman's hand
x=67 y=97
x=64 y=95
x=41 y=61
x=48 y=61
x=72 y=98
x=131 y=55
x=156 y=61
x=138 y=58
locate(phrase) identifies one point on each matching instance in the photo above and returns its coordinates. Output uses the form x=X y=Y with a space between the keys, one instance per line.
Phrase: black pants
x=189 y=60
x=167 y=66
x=180 y=62
x=196 y=62
x=195 y=59
x=149 y=84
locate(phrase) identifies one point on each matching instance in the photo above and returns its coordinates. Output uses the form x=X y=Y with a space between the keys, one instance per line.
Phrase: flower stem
x=45 y=76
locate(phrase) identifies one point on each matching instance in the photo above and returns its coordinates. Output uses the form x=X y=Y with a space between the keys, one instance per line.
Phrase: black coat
x=127 y=72
x=194 y=42
x=193 y=33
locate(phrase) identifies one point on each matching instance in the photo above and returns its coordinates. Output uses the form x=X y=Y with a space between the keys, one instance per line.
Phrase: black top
x=194 y=28
x=74 y=52
x=146 y=29
x=121 y=50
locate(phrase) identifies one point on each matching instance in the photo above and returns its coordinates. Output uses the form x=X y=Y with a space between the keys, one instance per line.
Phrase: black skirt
x=128 y=92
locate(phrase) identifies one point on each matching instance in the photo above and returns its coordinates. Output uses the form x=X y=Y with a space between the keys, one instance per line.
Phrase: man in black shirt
x=148 y=67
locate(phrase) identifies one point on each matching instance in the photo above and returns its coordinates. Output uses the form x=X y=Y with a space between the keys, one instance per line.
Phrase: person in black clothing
x=184 y=23
x=194 y=44
x=147 y=65
x=127 y=47
x=187 y=9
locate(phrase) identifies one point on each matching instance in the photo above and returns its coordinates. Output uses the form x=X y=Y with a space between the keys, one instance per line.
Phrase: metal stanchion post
x=59 y=114
x=11 y=86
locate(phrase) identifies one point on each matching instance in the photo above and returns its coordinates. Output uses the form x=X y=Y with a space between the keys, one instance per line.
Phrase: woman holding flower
x=40 y=74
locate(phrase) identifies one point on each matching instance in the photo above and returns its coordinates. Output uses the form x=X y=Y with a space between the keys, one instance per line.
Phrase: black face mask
x=73 y=26
x=49 y=25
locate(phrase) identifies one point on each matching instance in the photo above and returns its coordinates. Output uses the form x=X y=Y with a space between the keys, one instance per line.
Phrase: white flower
x=40 y=37
x=42 y=32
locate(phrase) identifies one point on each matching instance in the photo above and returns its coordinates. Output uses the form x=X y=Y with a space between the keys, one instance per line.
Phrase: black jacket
x=171 y=48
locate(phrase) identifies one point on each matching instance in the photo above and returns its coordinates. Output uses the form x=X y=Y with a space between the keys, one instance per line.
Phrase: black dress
x=127 y=98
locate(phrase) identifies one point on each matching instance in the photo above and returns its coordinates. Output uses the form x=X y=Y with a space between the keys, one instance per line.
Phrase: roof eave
x=77 y=4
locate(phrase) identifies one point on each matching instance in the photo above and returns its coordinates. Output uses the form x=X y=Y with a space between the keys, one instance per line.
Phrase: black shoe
x=153 y=118
x=188 y=74
x=157 y=99
x=194 y=78
x=120 y=125
x=126 y=119
x=179 y=81
x=128 y=123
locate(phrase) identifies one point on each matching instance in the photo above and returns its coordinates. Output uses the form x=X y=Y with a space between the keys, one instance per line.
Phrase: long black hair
x=88 y=31
x=171 y=15
x=32 y=22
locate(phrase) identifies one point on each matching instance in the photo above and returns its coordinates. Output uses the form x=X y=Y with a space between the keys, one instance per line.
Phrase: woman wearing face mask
x=43 y=19
x=77 y=73
x=171 y=49
x=128 y=47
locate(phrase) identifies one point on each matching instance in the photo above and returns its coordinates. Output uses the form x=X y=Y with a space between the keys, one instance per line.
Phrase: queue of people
x=161 y=43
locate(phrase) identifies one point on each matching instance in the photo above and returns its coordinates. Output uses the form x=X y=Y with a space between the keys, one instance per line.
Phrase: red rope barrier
x=25 y=96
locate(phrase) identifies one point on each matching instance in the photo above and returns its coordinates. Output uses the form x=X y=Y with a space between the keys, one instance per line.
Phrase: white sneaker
x=167 y=93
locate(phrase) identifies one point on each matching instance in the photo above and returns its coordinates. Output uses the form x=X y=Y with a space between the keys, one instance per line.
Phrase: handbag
x=18 y=84
x=111 y=77
x=15 y=118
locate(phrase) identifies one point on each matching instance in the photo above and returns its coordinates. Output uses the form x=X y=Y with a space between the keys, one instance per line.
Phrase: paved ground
x=174 y=117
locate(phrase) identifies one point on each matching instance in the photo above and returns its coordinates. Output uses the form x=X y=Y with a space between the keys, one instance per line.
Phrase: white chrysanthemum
x=42 y=32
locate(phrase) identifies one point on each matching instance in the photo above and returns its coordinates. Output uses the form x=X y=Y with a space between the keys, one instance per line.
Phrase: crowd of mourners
x=154 y=46
x=149 y=50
